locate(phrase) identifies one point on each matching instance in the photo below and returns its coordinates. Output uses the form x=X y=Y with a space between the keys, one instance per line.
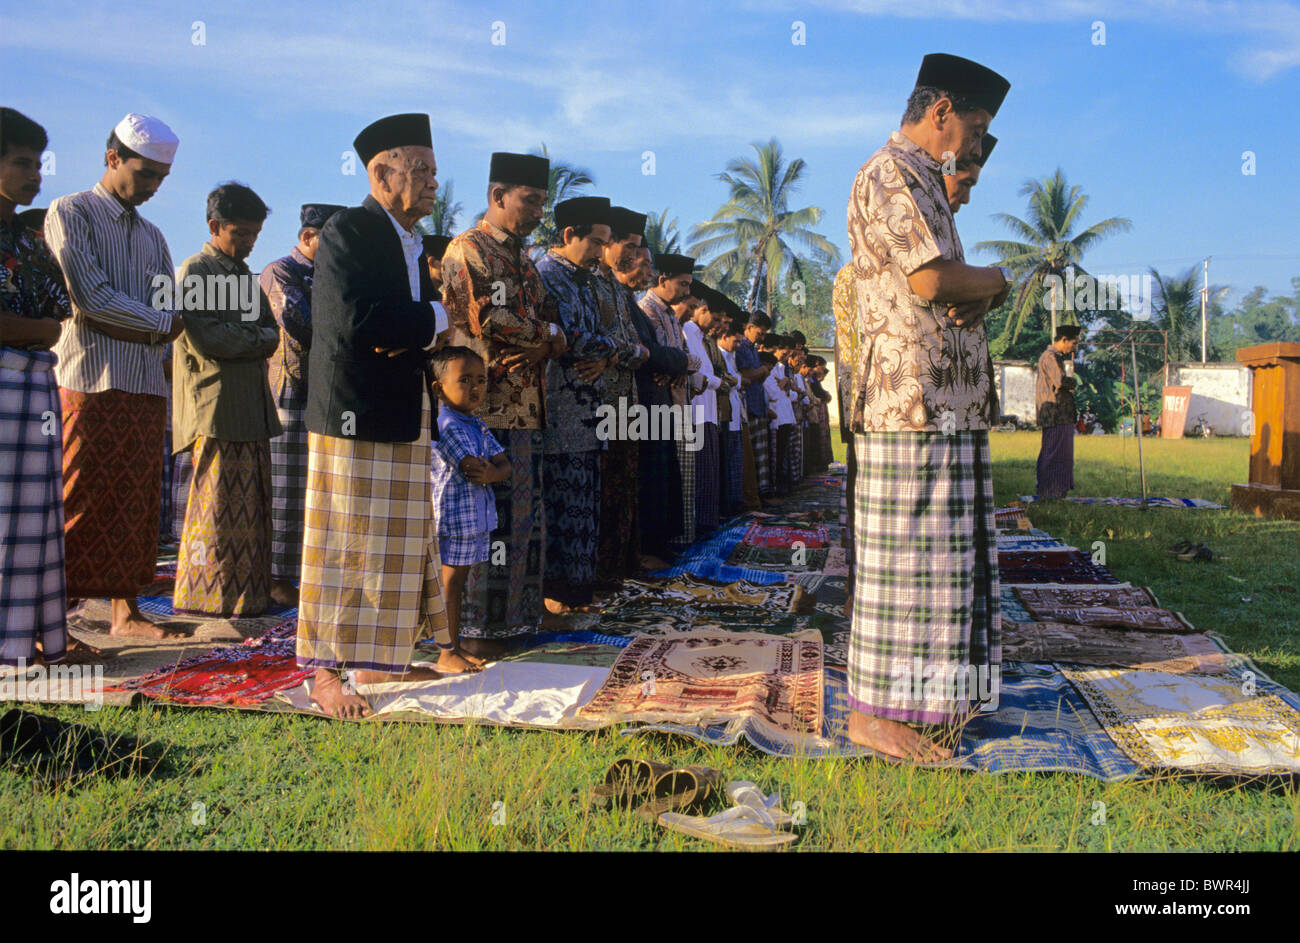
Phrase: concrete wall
x=1220 y=393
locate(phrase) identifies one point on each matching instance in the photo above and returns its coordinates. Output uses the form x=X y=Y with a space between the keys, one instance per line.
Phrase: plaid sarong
x=686 y=468
x=288 y=490
x=112 y=490
x=926 y=618
x=749 y=471
x=33 y=605
x=178 y=495
x=371 y=575
x=782 y=463
x=758 y=434
x=732 y=498
x=223 y=567
x=796 y=453
x=505 y=599
x=707 y=479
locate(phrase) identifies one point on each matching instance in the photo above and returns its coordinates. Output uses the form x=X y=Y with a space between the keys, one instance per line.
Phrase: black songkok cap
x=986 y=148
x=670 y=265
x=32 y=219
x=393 y=131
x=965 y=79
x=627 y=221
x=435 y=246
x=315 y=214
x=524 y=170
x=582 y=211
x=738 y=315
x=714 y=300
x=1067 y=332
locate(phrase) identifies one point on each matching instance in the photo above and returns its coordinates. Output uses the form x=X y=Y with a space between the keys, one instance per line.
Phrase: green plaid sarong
x=926 y=597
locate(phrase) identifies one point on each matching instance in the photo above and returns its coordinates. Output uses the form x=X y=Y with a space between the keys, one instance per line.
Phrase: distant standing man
x=287 y=284
x=1054 y=396
x=110 y=370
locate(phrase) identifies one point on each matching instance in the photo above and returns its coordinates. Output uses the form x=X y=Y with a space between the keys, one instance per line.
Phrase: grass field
x=250 y=781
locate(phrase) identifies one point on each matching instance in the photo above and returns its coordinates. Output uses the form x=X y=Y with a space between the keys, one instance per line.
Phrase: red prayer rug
x=240 y=675
x=764 y=535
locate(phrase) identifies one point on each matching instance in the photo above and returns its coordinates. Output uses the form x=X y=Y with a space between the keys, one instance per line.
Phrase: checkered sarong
x=33 y=604
x=926 y=582
x=758 y=434
x=733 y=463
x=288 y=491
x=371 y=575
x=708 y=479
x=686 y=468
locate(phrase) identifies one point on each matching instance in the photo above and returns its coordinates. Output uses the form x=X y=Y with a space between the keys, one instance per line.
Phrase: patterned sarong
x=288 y=491
x=505 y=599
x=796 y=454
x=33 y=605
x=1055 y=462
x=371 y=576
x=749 y=472
x=758 y=434
x=223 y=567
x=660 y=496
x=619 y=538
x=572 y=525
x=926 y=619
x=178 y=494
x=707 y=479
x=112 y=490
x=782 y=464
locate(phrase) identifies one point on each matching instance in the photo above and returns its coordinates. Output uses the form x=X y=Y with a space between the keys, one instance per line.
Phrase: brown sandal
x=682 y=789
x=626 y=782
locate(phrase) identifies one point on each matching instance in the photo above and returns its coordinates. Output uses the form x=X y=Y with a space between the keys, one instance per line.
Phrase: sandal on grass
x=1197 y=552
x=1181 y=547
x=742 y=794
x=687 y=787
x=626 y=781
x=741 y=826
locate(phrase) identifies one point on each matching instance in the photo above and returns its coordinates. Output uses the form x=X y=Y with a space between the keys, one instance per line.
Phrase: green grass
x=289 y=782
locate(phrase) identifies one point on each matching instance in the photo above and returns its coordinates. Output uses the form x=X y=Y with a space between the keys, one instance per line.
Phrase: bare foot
x=482 y=648
x=328 y=694
x=894 y=739
x=557 y=608
x=848 y=608
x=284 y=593
x=650 y=562
x=385 y=677
x=129 y=622
x=453 y=661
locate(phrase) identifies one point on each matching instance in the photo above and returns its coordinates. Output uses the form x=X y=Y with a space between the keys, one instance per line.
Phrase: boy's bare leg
x=129 y=622
x=455 y=660
x=284 y=593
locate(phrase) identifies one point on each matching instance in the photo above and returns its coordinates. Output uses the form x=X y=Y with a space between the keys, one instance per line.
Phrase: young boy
x=467 y=461
x=780 y=407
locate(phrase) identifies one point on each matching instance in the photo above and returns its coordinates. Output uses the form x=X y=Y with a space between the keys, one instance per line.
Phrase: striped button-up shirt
x=110 y=257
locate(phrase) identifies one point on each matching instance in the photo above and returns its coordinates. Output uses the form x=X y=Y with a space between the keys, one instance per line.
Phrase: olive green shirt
x=219 y=385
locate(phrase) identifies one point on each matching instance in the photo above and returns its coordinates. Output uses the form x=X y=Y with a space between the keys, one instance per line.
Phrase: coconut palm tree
x=1178 y=311
x=754 y=231
x=442 y=221
x=661 y=233
x=566 y=181
x=1047 y=247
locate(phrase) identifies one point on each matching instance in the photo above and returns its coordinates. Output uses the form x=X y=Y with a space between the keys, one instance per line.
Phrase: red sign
x=1173 y=414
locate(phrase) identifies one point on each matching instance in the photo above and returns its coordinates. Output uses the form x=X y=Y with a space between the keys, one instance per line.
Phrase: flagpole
x=1137 y=415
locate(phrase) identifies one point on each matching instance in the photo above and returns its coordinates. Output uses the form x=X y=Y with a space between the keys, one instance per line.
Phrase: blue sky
x=1152 y=125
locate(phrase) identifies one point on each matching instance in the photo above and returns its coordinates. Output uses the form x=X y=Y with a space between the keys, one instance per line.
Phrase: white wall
x=1015 y=381
x=1220 y=393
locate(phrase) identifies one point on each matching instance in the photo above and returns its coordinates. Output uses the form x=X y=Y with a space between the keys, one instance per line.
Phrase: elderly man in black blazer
x=370 y=572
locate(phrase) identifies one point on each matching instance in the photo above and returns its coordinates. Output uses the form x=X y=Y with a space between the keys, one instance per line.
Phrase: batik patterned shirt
x=917 y=371
x=498 y=306
x=669 y=334
x=571 y=401
x=615 y=302
x=31 y=284
x=287 y=283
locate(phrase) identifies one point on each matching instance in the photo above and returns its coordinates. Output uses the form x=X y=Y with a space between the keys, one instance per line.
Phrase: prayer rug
x=781 y=559
x=781 y=597
x=224 y=564
x=371 y=576
x=1051 y=604
x=112 y=490
x=1094 y=645
x=1019 y=567
x=1011 y=518
x=1193 y=722
x=568 y=653
x=1159 y=502
x=704 y=679
x=1039 y=600
x=288 y=490
x=240 y=675
x=1040 y=725
x=33 y=604
x=767 y=535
